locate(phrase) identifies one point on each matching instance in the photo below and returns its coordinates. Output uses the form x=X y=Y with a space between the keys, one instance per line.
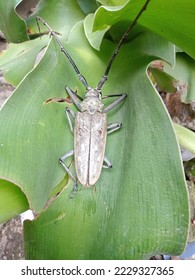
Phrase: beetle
x=90 y=127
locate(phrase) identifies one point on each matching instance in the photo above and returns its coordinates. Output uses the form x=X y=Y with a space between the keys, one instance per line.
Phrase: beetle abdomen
x=89 y=146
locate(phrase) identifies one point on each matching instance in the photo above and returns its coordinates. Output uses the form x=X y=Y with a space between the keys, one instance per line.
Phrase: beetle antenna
x=81 y=77
x=124 y=37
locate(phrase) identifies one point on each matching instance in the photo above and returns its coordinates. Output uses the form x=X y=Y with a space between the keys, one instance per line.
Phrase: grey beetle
x=90 y=127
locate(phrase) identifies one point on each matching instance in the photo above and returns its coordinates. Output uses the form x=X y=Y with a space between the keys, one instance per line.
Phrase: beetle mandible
x=90 y=123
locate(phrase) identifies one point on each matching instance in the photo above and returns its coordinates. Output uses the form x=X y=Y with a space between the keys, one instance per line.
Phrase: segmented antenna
x=81 y=77
x=105 y=76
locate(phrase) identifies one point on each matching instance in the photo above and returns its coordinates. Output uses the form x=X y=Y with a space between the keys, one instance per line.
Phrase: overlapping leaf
x=13 y=27
x=123 y=218
x=161 y=18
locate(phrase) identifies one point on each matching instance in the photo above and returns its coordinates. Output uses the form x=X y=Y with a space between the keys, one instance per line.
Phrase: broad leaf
x=12 y=201
x=137 y=209
x=161 y=17
x=19 y=59
x=62 y=16
x=186 y=138
x=144 y=182
x=184 y=72
x=12 y=26
x=95 y=38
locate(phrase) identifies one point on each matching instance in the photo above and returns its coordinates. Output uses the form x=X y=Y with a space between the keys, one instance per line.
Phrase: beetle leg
x=74 y=97
x=113 y=127
x=61 y=160
x=115 y=103
x=69 y=113
x=112 y=95
x=107 y=163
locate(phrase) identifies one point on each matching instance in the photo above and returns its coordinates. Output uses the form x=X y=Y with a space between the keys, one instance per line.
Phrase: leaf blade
x=11 y=24
x=160 y=18
x=123 y=218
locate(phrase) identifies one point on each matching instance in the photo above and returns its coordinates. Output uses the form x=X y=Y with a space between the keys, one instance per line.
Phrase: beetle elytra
x=90 y=126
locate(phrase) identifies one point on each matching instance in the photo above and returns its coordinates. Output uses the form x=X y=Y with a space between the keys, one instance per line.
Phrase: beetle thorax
x=92 y=102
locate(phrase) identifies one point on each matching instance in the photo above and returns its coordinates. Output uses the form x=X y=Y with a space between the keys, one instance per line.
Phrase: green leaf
x=117 y=220
x=26 y=131
x=95 y=38
x=12 y=26
x=161 y=17
x=87 y=6
x=12 y=201
x=112 y=2
x=61 y=16
x=137 y=209
x=164 y=81
x=184 y=71
x=19 y=59
x=186 y=137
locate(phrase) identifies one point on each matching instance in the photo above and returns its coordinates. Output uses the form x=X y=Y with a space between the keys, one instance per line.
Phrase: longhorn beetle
x=90 y=123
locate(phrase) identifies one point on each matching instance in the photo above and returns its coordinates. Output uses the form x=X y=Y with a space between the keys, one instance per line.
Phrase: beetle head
x=93 y=93
x=92 y=101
